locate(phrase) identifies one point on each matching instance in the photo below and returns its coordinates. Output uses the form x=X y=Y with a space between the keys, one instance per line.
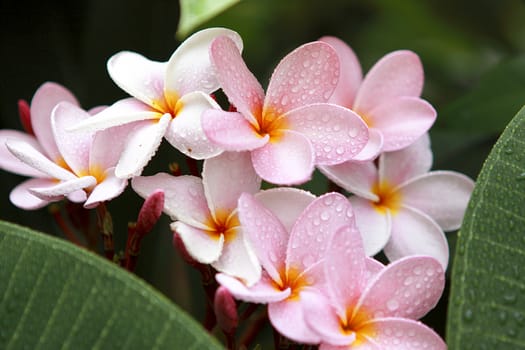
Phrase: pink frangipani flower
x=292 y=258
x=205 y=212
x=387 y=98
x=168 y=99
x=401 y=205
x=291 y=128
x=358 y=311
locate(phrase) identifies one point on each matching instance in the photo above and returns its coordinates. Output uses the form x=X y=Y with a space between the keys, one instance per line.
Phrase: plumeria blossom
x=387 y=98
x=168 y=99
x=90 y=167
x=291 y=258
x=291 y=128
x=38 y=155
x=360 y=311
x=401 y=205
x=205 y=212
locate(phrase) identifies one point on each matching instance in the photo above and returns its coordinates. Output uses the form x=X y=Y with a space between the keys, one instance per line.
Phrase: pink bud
x=225 y=310
x=150 y=212
x=24 y=113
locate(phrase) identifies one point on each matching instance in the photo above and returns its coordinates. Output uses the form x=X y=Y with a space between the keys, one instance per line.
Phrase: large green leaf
x=193 y=13
x=57 y=296
x=487 y=302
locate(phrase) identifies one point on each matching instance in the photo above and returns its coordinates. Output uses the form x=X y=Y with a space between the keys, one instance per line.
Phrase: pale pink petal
x=231 y=131
x=183 y=197
x=239 y=260
x=62 y=189
x=106 y=190
x=286 y=203
x=96 y=109
x=266 y=235
x=263 y=291
x=44 y=100
x=373 y=267
x=402 y=121
x=190 y=69
x=200 y=244
x=32 y=157
x=141 y=144
x=402 y=334
x=22 y=198
x=373 y=147
x=74 y=147
x=409 y=288
x=400 y=166
x=11 y=163
x=138 y=76
x=399 y=73
x=337 y=134
x=185 y=132
x=286 y=161
x=415 y=233
x=310 y=235
x=356 y=177
x=351 y=74
x=323 y=319
x=374 y=223
x=306 y=75
x=122 y=112
x=360 y=346
x=226 y=177
x=113 y=138
x=79 y=196
x=288 y=319
x=442 y=195
x=236 y=80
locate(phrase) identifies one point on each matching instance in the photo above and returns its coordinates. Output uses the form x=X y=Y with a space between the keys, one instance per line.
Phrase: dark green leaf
x=487 y=305
x=57 y=296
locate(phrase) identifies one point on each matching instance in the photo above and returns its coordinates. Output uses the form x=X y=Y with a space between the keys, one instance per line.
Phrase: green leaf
x=55 y=295
x=193 y=13
x=488 y=106
x=487 y=302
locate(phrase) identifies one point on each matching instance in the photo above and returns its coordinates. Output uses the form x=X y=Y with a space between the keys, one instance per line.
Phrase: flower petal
x=408 y=288
x=22 y=198
x=263 y=291
x=199 y=244
x=74 y=147
x=44 y=100
x=356 y=177
x=185 y=132
x=113 y=138
x=426 y=193
x=373 y=147
x=141 y=144
x=226 y=177
x=11 y=163
x=402 y=334
x=374 y=224
x=287 y=318
x=415 y=233
x=400 y=166
x=32 y=157
x=64 y=188
x=139 y=76
x=106 y=190
x=399 y=73
x=311 y=233
x=231 y=131
x=288 y=161
x=351 y=73
x=184 y=198
x=308 y=74
x=266 y=235
x=189 y=68
x=286 y=203
x=337 y=134
x=242 y=88
x=402 y=121
x=239 y=260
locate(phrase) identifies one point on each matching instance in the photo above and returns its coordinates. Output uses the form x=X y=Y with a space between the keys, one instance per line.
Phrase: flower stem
x=105 y=226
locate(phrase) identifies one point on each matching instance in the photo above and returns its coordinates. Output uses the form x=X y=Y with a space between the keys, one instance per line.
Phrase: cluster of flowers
x=307 y=257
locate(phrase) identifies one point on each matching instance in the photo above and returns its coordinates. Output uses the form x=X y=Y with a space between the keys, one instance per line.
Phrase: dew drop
x=468 y=315
x=509 y=298
x=325 y=215
x=352 y=132
x=340 y=150
x=392 y=305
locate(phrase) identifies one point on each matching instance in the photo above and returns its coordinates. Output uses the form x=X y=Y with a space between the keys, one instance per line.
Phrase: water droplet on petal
x=392 y=305
x=325 y=215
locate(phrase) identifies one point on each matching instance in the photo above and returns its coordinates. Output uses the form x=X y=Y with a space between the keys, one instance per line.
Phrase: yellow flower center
x=224 y=223
x=293 y=279
x=357 y=324
x=170 y=104
x=271 y=124
x=389 y=198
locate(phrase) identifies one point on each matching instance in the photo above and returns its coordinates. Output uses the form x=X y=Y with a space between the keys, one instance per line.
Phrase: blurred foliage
x=472 y=52
x=195 y=12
